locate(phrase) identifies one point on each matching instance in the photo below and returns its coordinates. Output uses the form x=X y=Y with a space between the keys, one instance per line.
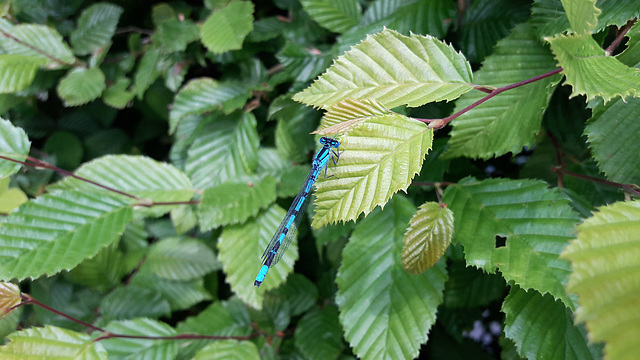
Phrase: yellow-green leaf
x=427 y=238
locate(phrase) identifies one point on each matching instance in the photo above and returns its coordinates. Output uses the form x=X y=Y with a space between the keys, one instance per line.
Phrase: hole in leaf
x=500 y=241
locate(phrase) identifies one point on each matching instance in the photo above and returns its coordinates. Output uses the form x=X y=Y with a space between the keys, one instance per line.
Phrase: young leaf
x=224 y=150
x=241 y=247
x=96 y=26
x=81 y=86
x=605 y=273
x=205 y=95
x=613 y=136
x=398 y=320
x=380 y=157
x=550 y=332
x=36 y=40
x=17 y=72
x=512 y=119
x=427 y=237
x=226 y=28
x=9 y=297
x=319 y=334
x=228 y=349
x=123 y=348
x=78 y=225
x=14 y=144
x=42 y=342
x=537 y=223
x=347 y=114
x=582 y=15
x=233 y=203
x=590 y=71
x=334 y=15
x=394 y=70
x=180 y=258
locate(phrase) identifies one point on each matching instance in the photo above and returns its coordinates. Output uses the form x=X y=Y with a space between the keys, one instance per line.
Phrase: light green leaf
x=122 y=348
x=537 y=223
x=35 y=40
x=96 y=26
x=319 y=334
x=205 y=95
x=226 y=28
x=511 y=119
x=233 y=203
x=347 y=114
x=225 y=149
x=173 y=35
x=427 y=237
x=613 y=136
x=9 y=297
x=117 y=95
x=81 y=86
x=149 y=180
x=590 y=71
x=17 y=72
x=550 y=333
x=397 y=322
x=42 y=342
x=241 y=247
x=58 y=230
x=394 y=70
x=228 y=349
x=133 y=301
x=582 y=15
x=380 y=157
x=605 y=277
x=14 y=144
x=180 y=258
x=335 y=15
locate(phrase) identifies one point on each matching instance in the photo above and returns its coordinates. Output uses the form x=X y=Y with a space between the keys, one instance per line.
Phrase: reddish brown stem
x=630 y=188
x=621 y=34
x=29 y=300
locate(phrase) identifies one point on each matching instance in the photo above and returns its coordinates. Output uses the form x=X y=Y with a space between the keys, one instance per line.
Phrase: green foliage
x=148 y=154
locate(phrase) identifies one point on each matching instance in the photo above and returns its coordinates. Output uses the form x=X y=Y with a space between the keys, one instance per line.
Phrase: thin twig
x=630 y=188
x=623 y=31
x=559 y=162
x=29 y=300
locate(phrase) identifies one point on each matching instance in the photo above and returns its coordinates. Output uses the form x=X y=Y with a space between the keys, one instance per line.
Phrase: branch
x=630 y=188
x=616 y=42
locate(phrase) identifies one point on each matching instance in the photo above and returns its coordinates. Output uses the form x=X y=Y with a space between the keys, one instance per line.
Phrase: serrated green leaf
x=9 y=297
x=631 y=55
x=335 y=15
x=301 y=63
x=427 y=237
x=590 y=71
x=347 y=114
x=319 y=334
x=180 y=258
x=133 y=301
x=299 y=294
x=117 y=95
x=174 y=35
x=96 y=26
x=394 y=70
x=233 y=203
x=204 y=95
x=14 y=144
x=397 y=322
x=181 y=295
x=103 y=271
x=241 y=247
x=226 y=28
x=511 y=119
x=543 y=315
x=220 y=319
x=81 y=86
x=77 y=224
x=42 y=342
x=123 y=348
x=294 y=140
x=582 y=15
x=605 y=272
x=537 y=223
x=613 y=136
x=486 y=22
x=35 y=40
x=380 y=157
x=17 y=72
x=147 y=71
x=149 y=180
x=224 y=150
x=228 y=349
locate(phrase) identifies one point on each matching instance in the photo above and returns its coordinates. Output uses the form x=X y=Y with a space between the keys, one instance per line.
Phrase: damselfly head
x=329 y=141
